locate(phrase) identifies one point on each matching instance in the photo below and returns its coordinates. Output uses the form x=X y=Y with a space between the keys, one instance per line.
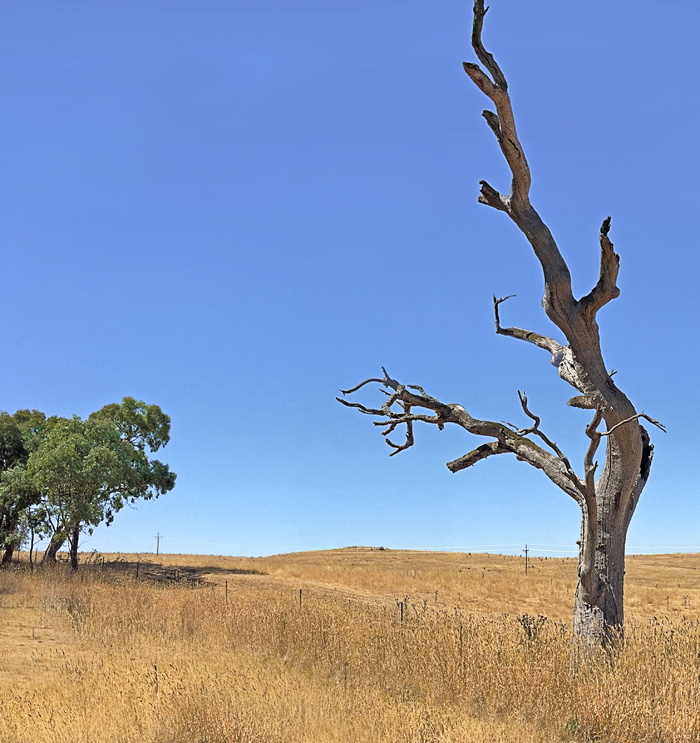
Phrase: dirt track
x=294 y=584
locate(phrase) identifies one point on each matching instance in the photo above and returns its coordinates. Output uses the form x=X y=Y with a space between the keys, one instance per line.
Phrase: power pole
x=526 y=551
x=158 y=538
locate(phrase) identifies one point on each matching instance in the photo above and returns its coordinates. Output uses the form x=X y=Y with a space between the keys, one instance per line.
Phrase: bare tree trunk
x=8 y=553
x=9 y=526
x=31 y=549
x=57 y=541
x=599 y=599
x=608 y=502
x=606 y=511
x=74 y=543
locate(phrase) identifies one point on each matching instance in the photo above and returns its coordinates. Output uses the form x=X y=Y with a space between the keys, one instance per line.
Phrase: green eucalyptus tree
x=87 y=470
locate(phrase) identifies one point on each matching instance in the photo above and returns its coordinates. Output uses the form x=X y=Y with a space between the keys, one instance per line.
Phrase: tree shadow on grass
x=156 y=572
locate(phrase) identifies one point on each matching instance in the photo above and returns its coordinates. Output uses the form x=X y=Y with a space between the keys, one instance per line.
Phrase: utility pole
x=158 y=538
x=526 y=551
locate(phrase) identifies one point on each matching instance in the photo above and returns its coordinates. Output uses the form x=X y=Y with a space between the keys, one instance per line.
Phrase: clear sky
x=234 y=208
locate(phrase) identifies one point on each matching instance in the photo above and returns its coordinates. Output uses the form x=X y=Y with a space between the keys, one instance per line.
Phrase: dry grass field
x=354 y=645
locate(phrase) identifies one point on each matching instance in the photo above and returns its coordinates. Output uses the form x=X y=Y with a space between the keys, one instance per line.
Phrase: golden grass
x=245 y=657
x=656 y=585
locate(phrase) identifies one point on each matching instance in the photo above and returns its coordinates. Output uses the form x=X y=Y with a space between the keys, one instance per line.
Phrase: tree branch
x=357 y=387
x=476 y=455
x=406 y=400
x=502 y=122
x=484 y=57
x=589 y=463
x=557 y=278
x=491 y=197
x=606 y=288
x=562 y=356
x=536 y=430
x=507 y=439
x=549 y=344
x=581 y=362
x=635 y=417
x=386 y=380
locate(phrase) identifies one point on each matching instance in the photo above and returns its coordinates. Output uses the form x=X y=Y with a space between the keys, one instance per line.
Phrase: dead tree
x=607 y=496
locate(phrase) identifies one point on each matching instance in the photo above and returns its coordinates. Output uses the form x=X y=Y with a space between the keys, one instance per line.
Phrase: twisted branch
x=589 y=464
x=507 y=439
x=406 y=400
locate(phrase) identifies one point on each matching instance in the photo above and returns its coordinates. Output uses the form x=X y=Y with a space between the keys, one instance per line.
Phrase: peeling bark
x=608 y=502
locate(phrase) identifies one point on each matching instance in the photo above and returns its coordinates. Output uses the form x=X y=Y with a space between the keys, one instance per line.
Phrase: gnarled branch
x=507 y=439
x=580 y=362
x=502 y=122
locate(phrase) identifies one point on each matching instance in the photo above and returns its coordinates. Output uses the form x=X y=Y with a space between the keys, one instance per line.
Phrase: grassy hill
x=656 y=585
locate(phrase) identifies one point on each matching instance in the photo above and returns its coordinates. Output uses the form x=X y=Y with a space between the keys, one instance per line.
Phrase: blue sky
x=235 y=208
